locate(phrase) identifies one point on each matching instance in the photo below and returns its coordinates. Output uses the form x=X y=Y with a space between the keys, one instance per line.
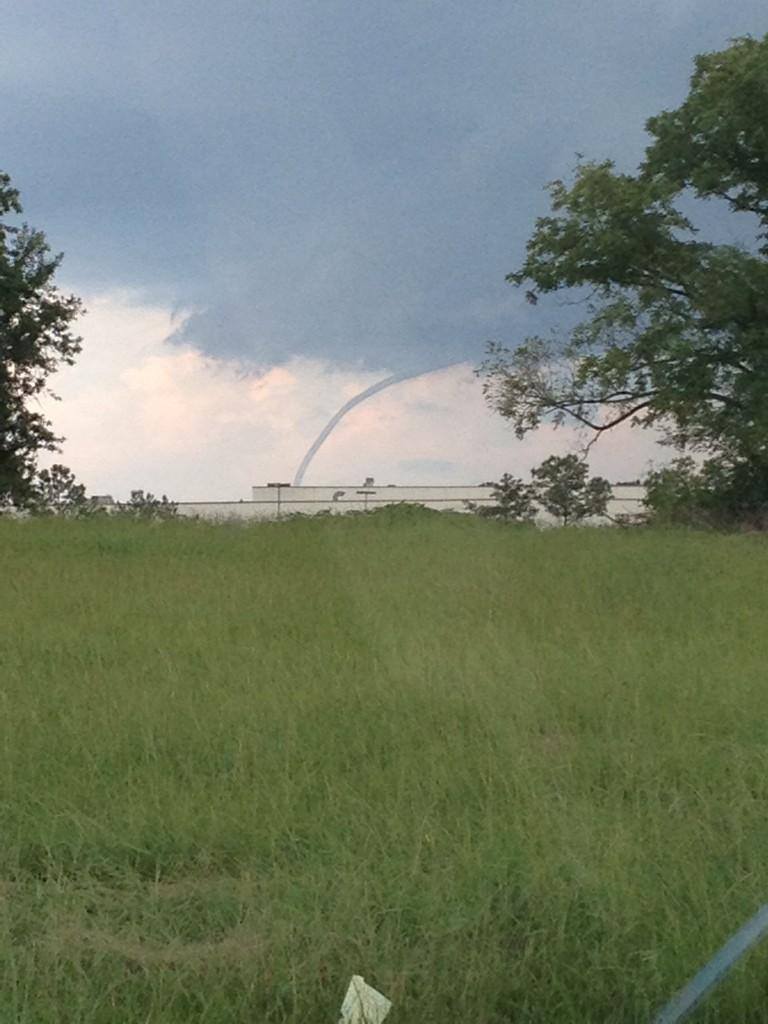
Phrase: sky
x=269 y=206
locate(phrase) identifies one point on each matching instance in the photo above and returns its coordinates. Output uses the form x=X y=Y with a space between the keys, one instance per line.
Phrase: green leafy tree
x=35 y=340
x=676 y=335
x=562 y=487
x=514 y=501
x=57 y=492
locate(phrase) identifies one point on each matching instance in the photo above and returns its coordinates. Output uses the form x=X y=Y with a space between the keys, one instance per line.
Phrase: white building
x=273 y=501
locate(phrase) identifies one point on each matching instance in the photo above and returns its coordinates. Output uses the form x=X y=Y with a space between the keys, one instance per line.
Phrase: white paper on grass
x=363 y=1004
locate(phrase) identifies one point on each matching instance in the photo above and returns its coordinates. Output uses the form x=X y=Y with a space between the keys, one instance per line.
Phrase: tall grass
x=505 y=775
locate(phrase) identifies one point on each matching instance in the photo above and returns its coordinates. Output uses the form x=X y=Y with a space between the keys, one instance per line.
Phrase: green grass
x=505 y=775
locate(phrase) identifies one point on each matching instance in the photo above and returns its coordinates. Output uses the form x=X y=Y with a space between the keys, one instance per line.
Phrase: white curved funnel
x=336 y=419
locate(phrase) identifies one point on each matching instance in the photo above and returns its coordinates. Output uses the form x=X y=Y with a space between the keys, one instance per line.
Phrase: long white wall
x=264 y=501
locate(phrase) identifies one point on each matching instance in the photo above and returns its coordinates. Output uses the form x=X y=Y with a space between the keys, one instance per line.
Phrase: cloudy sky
x=269 y=205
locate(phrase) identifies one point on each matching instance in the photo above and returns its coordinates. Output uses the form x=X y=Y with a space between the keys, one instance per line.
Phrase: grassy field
x=505 y=775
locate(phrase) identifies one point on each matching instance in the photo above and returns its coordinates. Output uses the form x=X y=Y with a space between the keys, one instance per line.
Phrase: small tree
x=561 y=487
x=147 y=507
x=514 y=501
x=56 y=492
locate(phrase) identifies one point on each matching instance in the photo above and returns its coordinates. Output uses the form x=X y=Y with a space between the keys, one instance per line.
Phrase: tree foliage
x=715 y=494
x=514 y=501
x=56 y=492
x=677 y=329
x=147 y=507
x=560 y=485
x=35 y=340
x=563 y=488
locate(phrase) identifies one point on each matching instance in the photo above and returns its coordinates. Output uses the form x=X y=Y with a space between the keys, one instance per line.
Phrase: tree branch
x=600 y=427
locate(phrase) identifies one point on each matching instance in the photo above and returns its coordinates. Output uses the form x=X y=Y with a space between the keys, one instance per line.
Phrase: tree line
x=676 y=336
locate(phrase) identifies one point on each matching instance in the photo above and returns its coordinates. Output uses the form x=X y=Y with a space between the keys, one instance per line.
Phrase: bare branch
x=600 y=427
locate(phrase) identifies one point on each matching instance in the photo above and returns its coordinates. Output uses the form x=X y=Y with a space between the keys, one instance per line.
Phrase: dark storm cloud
x=336 y=179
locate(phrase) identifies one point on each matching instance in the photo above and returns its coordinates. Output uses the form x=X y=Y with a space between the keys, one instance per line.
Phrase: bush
x=404 y=511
